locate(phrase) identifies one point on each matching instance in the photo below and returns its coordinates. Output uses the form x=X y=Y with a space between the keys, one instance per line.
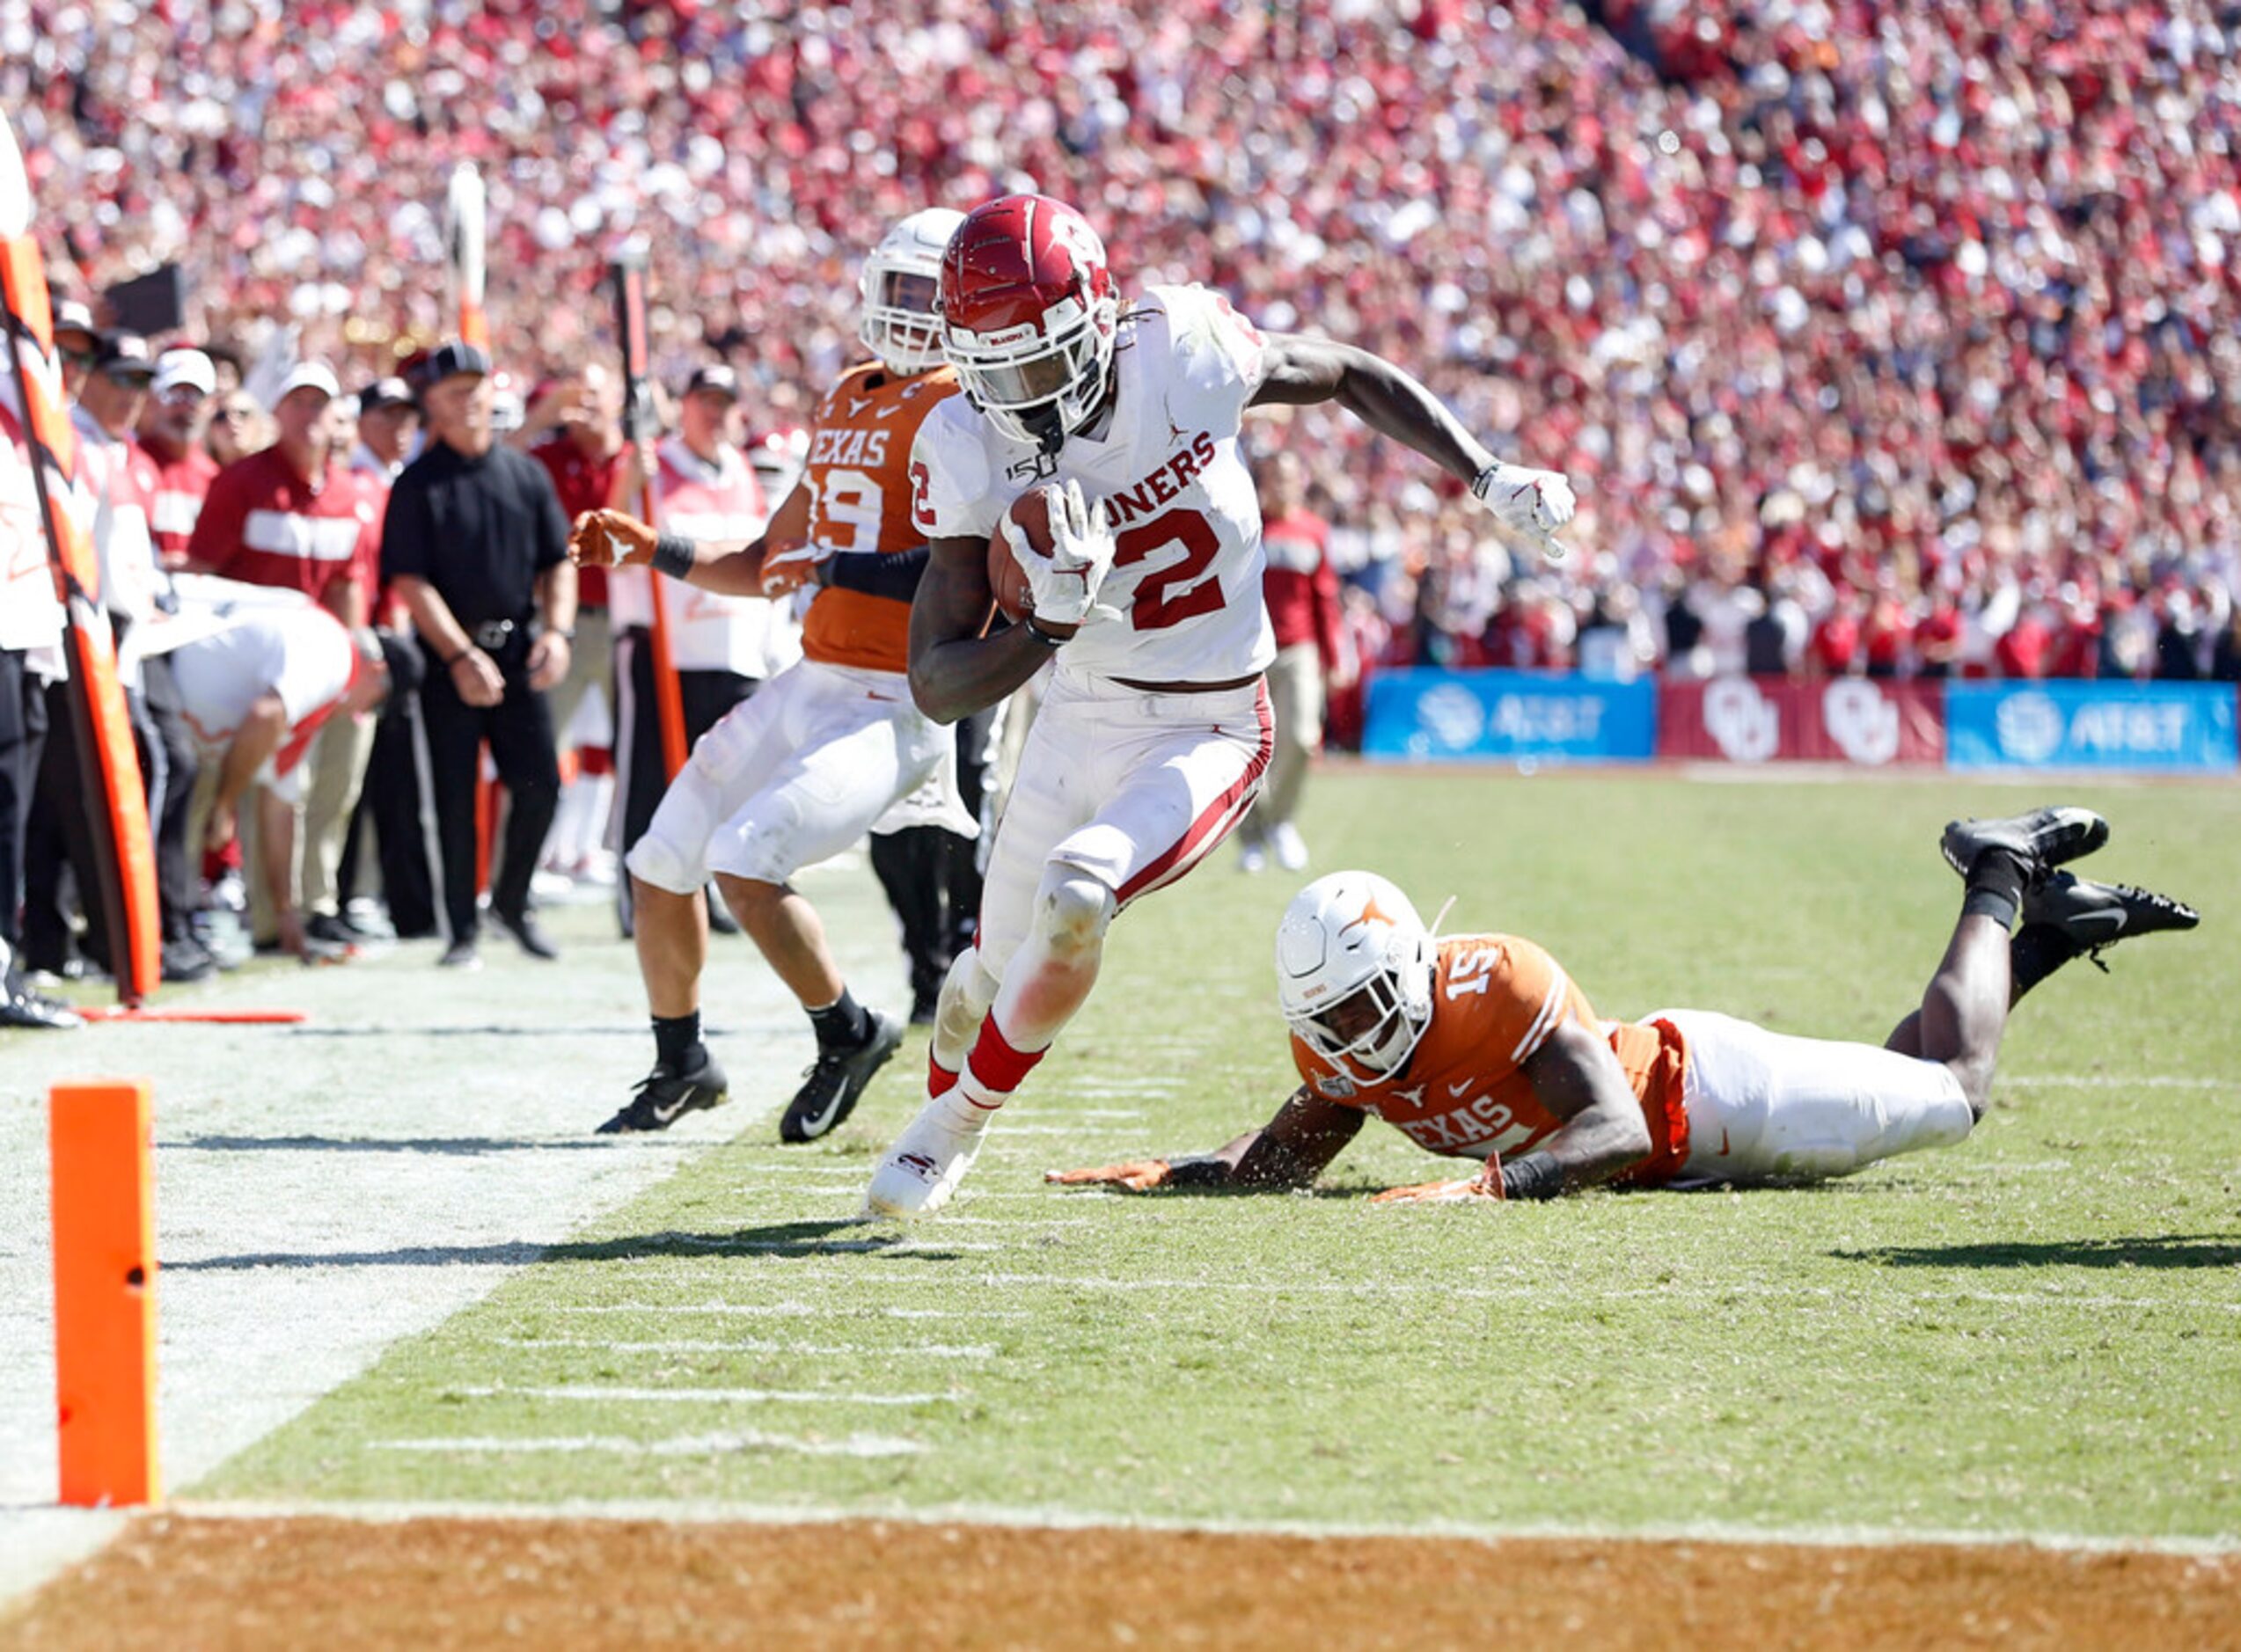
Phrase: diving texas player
x=827 y=747
x=1480 y=1046
x=1154 y=732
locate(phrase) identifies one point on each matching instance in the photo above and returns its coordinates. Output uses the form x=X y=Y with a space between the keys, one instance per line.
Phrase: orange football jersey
x=857 y=476
x=1495 y=999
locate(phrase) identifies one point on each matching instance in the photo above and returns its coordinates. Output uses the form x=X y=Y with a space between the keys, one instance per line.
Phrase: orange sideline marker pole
x=105 y=1291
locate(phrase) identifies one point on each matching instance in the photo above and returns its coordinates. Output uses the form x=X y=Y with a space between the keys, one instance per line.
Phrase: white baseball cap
x=176 y=369
x=308 y=376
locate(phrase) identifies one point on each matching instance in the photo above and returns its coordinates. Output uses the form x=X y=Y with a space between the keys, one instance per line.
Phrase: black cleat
x=2096 y=916
x=829 y=1090
x=186 y=960
x=663 y=1097
x=2042 y=840
x=524 y=927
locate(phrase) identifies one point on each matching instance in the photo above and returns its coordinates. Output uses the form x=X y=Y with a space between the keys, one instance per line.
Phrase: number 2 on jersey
x=1157 y=603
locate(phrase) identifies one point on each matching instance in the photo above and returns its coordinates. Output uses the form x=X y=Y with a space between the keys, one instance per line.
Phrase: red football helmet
x=1027 y=314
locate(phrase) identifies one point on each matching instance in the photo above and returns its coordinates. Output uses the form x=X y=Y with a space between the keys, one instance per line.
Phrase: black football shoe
x=2042 y=840
x=666 y=1095
x=836 y=1080
x=2097 y=915
x=524 y=927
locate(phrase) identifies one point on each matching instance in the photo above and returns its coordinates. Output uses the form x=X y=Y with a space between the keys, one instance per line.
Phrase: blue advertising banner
x=2181 y=726
x=1545 y=716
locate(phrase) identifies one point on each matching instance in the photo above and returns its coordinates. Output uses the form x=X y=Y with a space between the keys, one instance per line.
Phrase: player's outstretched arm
x=956 y=670
x=1291 y=1150
x=1576 y=1075
x=1297 y=370
x=730 y=567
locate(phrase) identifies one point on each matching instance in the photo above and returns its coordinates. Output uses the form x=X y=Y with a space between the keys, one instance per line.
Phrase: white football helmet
x=899 y=279
x=1345 y=936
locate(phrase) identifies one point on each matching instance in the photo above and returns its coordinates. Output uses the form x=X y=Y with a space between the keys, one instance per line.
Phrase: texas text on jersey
x=857 y=478
x=1186 y=574
x=1495 y=1000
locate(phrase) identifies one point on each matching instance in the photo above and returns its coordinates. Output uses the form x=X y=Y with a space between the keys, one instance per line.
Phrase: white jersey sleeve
x=1219 y=357
x=953 y=495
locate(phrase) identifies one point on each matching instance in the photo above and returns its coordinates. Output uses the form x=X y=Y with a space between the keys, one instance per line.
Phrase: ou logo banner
x=1745 y=724
x=1862 y=722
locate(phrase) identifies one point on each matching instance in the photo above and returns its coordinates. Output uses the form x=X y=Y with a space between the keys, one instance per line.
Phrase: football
x=1006 y=580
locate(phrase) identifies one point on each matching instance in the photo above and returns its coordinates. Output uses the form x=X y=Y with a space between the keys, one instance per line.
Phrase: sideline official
x=476 y=546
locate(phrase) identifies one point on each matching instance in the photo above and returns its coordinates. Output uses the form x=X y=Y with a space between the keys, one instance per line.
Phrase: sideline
x=416 y=1109
x=692 y=1512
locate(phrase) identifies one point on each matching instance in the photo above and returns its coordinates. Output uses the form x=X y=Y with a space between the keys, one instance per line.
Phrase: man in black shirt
x=476 y=545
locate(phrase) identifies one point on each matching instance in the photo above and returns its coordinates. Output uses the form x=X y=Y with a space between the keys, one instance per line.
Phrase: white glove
x=1534 y=503
x=1065 y=583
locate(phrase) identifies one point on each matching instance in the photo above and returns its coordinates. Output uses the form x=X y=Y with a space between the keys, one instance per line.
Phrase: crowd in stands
x=1916 y=324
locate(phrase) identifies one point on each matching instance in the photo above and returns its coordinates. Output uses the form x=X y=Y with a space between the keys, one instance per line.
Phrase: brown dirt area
x=179 y=1581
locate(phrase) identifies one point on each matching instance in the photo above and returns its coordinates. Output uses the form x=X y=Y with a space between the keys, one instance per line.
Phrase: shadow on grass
x=779 y=1240
x=2172 y=1250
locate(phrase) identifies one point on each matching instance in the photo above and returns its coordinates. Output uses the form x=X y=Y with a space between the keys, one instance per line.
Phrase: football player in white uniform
x=1154 y=731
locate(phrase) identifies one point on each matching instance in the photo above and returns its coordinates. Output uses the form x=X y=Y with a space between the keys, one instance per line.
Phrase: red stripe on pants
x=1214 y=820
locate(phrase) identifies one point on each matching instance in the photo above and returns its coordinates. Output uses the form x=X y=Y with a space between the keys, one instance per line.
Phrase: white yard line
x=1053 y=1518
x=1524 y=1292
x=782 y=1309
x=594 y=1392
x=677 y=1445
x=806 y=1350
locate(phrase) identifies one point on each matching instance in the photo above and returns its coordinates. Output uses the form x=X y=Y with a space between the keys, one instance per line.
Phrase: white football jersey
x=298 y=651
x=1186 y=577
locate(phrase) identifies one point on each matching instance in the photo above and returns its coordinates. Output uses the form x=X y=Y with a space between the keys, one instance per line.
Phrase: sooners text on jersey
x=1495 y=999
x=1186 y=574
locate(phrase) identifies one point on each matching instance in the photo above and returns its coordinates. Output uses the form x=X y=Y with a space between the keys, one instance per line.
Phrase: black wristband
x=1204 y=1170
x=1536 y=1176
x=673 y=555
x=1041 y=635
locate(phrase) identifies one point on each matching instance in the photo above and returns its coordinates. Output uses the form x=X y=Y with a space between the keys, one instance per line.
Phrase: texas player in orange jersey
x=827 y=747
x=1481 y=1047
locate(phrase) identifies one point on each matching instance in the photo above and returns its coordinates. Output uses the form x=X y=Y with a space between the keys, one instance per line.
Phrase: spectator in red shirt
x=1836 y=649
x=1301 y=589
x=294 y=517
x=171 y=435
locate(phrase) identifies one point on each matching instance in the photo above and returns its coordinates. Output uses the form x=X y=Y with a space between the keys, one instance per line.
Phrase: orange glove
x=1485 y=1185
x=609 y=540
x=1138 y=1175
x=786 y=572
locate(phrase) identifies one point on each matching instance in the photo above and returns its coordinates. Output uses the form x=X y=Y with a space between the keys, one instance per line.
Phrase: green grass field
x=2037 y=1332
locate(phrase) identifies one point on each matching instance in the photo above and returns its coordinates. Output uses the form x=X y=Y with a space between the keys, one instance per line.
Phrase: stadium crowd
x=1883 y=338
x=1918 y=317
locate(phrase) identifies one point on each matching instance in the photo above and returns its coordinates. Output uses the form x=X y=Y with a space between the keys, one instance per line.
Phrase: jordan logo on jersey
x=1158 y=489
